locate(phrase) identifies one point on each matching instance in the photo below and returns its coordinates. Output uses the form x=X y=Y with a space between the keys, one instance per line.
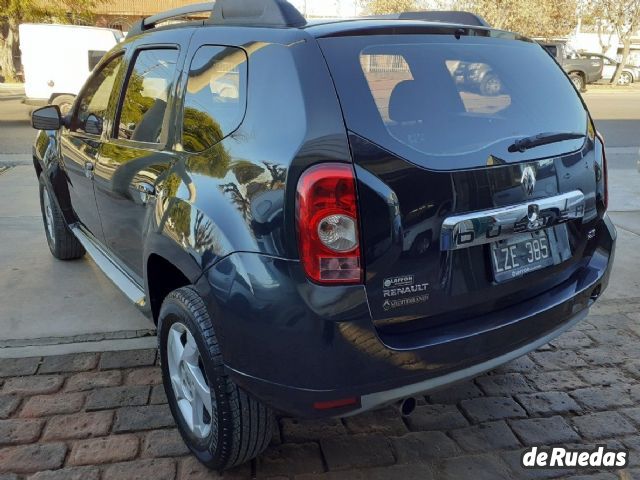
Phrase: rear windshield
x=449 y=104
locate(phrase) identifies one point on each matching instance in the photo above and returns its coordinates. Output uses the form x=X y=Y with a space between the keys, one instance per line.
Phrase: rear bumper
x=292 y=343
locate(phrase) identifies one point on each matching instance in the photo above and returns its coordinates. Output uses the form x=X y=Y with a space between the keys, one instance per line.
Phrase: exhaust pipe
x=406 y=406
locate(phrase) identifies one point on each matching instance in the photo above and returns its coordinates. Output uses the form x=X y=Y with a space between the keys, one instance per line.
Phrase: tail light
x=605 y=173
x=327 y=221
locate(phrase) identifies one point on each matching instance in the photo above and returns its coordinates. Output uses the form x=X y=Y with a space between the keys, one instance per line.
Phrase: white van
x=55 y=75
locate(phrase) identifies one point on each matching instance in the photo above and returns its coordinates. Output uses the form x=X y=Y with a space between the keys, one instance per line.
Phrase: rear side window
x=453 y=104
x=147 y=91
x=215 y=100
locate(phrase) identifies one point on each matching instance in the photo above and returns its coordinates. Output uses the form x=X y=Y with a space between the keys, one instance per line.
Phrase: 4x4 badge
x=528 y=180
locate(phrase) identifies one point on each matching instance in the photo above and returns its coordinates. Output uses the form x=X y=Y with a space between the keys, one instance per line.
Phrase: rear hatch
x=456 y=219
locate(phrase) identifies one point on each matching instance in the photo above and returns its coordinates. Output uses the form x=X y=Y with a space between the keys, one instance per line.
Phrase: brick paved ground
x=104 y=416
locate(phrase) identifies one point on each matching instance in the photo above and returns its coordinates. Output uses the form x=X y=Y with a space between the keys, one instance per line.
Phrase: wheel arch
x=162 y=277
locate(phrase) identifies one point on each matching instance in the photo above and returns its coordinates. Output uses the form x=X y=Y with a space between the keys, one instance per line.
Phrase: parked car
x=629 y=75
x=319 y=218
x=56 y=75
x=581 y=71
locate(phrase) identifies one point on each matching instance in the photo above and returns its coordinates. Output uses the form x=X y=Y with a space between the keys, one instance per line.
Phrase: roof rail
x=444 y=16
x=152 y=21
x=268 y=13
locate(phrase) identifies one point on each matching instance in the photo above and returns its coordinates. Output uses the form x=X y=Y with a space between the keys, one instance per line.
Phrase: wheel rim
x=577 y=81
x=493 y=86
x=624 y=79
x=189 y=381
x=65 y=108
x=48 y=216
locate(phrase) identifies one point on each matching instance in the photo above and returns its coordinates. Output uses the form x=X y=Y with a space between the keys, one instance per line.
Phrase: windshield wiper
x=543 y=139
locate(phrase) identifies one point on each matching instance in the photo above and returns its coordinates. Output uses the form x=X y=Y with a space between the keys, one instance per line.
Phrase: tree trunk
x=625 y=57
x=8 y=47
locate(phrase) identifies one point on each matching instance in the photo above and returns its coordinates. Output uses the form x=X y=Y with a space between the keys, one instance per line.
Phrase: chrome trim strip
x=488 y=226
x=380 y=399
x=109 y=267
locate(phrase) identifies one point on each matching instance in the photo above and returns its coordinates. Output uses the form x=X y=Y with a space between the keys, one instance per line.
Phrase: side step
x=117 y=275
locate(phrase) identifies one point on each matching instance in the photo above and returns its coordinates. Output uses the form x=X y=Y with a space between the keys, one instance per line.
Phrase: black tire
x=65 y=102
x=625 y=79
x=62 y=243
x=244 y=425
x=578 y=81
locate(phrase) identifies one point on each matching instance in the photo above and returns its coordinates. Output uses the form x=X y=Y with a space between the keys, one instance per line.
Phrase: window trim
x=113 y=130
x=179 y=141
x=106 y=60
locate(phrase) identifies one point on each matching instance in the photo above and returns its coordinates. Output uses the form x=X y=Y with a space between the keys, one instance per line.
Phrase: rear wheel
x=65 y=102
x=62 y=243
x=625 y=79
x=578 y=81
x=491 y=85
x=220 y=423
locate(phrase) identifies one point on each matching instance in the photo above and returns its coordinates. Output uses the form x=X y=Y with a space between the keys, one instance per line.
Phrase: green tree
x=15 y=12
x=382 y=7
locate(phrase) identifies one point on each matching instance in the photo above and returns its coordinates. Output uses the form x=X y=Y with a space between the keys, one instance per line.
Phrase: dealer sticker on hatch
x=403 y=291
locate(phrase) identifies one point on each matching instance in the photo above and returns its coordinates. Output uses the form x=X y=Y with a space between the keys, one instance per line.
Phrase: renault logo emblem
x=528 y=180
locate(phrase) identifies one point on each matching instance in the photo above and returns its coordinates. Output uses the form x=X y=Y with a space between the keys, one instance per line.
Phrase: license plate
x=522 y=254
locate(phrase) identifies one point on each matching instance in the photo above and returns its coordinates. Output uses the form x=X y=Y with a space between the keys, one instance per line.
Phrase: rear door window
x=450 y=104
x=215 y=98
x=151 y=79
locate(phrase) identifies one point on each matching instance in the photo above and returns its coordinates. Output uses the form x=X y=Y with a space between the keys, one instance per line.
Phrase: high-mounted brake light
x=605 y=172
x=327 y=221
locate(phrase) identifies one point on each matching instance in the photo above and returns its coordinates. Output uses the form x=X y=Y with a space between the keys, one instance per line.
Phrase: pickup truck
x=580 y=70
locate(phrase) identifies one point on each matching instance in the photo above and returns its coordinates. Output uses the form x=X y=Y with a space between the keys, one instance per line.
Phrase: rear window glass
x=452 y=104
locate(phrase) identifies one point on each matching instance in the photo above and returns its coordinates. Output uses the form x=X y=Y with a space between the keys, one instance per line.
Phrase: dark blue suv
x=325 y=218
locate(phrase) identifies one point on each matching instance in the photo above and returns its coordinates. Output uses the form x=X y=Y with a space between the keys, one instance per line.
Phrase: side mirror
x=93 y=125
x=47 y=118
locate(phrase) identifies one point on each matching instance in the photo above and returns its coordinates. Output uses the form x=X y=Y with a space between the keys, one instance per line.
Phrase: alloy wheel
x=48 y=216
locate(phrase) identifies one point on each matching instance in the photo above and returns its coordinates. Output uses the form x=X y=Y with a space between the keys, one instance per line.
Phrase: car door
x=81 y=141
x=135 y=156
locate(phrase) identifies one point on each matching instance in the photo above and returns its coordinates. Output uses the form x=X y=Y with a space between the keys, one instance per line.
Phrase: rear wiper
x=543 y=139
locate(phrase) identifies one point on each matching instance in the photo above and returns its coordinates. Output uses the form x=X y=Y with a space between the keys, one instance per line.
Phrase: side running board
x=117 y=275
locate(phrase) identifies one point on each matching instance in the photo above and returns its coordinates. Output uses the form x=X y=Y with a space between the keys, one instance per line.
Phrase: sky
x=327 y=8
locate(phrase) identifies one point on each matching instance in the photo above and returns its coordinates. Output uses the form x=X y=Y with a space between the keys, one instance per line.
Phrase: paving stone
x=290 y=459
x=358 y=451
x=128 y=359
x=164 y=443
x=603 y=425
x=79 y=425
x=633 y=368
x=485 y=437
x=155 y=468
x=604 y=398
x=604 y=376
x=387 y=421
x=504 y=384
x=633 y=444
x=144 y=376
x=404 y=472
x=513 y=460
x=8 y=476
x=73 y=473
x=615 y=320
x=610 y=336
x=130 y=419
x=572 y=339
x=114 y=397
x=76 y=362
x=544 y=431
x=84 y=381
x=98 y=451
x=436 y=417
x=603 y=356
x=544 y=403
x=16 y=431
x=595 y=476
x=8 y=405
x=558 y=360
x=519 y=365
x=32 y=458
x=492 y=408
x=553 y=381
x=33 y=385
x=18 y=367
x=476 y=467
x=455 y=393
x=42 y=405
x=190 y=468
x=158 y=396
x=423 y=447
x=633 y=414
x=302 y=431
